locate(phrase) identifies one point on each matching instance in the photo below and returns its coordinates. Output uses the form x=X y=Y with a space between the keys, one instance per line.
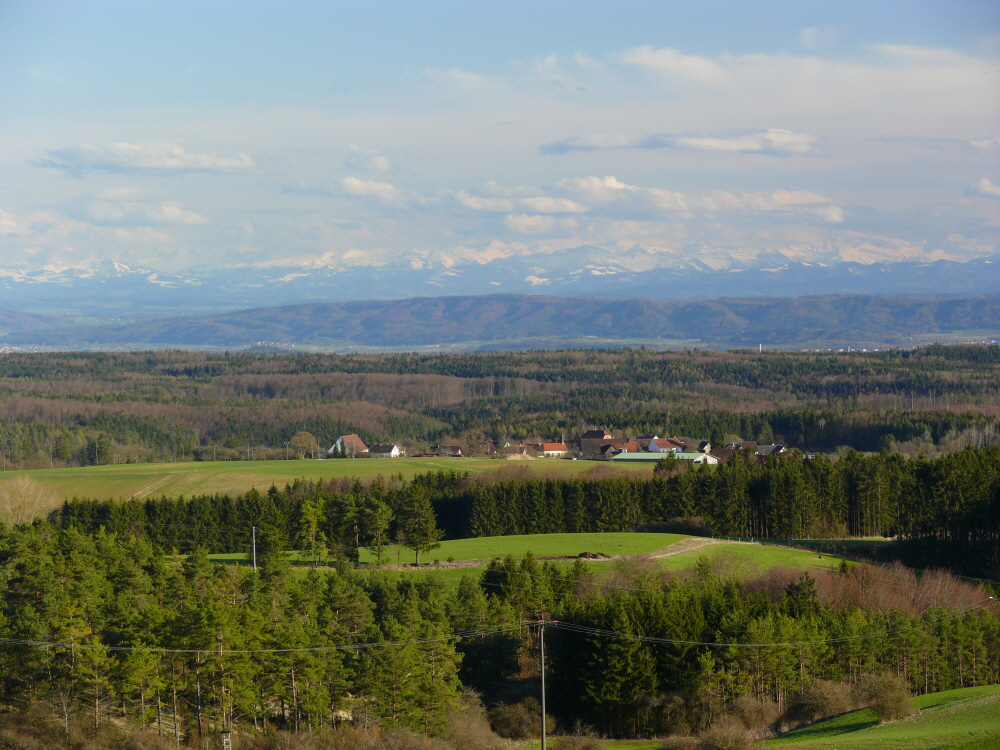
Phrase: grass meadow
x=124 y=481
x=470 y=556
x=966 y=719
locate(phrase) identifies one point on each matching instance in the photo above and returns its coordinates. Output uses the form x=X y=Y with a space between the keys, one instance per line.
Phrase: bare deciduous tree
x=23 y=499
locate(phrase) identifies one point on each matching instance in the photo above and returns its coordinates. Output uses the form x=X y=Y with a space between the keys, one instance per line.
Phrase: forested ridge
x=509 y=319
x=65 y=409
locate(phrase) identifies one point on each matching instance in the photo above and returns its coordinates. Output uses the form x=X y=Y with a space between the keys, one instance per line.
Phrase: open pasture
x=748 y=559
x=965 y=719
x=469 y=556
x=124 y=481
x=483 y=549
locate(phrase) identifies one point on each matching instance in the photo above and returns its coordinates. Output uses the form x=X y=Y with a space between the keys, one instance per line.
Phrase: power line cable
x=458 y=635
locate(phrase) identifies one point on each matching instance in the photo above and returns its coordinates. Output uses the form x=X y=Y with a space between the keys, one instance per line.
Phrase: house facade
x=390 y=450
x=553 y=450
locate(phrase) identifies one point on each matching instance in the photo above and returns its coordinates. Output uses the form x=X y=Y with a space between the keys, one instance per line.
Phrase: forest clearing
x=672 y=553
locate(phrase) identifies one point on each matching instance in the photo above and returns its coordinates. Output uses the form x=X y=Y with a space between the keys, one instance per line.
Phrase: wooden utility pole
x=541 y=651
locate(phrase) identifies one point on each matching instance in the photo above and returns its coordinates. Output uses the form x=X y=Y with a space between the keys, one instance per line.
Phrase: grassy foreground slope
x=195 y=478
x=966 y=719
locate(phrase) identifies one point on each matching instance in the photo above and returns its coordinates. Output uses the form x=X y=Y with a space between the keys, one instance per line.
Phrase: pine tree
x=419 y=524
x=375 y=517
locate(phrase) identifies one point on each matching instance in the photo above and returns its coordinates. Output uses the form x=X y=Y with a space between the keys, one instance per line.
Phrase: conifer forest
x=117 y=629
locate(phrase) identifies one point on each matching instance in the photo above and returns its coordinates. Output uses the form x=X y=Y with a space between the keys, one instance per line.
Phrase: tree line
x=943 y=511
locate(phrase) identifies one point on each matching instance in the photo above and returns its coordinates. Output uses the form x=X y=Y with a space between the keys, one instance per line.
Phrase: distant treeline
x=64 y=409
x=948 y=509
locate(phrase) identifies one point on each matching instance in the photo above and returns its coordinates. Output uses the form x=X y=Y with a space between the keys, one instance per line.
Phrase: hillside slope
x=510 y=317
x=966 y=719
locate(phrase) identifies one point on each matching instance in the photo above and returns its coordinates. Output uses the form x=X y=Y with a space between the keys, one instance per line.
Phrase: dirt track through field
x=152 y=487
x=686 y=545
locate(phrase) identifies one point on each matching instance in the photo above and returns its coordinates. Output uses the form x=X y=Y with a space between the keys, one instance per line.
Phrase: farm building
x=390 y=450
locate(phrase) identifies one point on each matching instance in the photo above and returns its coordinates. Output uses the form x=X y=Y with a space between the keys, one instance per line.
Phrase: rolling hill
x=503 y=320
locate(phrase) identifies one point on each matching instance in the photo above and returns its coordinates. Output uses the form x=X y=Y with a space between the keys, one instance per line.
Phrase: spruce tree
x=419 y=524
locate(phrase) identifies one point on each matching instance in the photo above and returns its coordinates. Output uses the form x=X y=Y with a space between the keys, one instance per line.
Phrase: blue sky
x=178 y=136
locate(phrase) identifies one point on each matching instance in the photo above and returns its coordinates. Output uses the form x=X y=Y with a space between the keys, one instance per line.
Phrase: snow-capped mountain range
x=863 y=265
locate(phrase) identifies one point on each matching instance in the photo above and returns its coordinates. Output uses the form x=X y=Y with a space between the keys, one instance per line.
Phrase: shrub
x=755 y=715
x=469 y=727
x=889 y=697
x=817 y=700
x=726 y=734
x=520 y=721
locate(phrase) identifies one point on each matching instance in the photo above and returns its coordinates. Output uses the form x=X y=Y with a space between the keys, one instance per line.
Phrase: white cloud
x=985 y=187
x=10 y=226
x=674 y=64
x=165 y=212
x=367 y=159
x=465 y=80
x=608 y=190
x=535 y=224
x=774 y=141
x=548 y=205
x=985 y=144
x=915 y=53
x=477 y=203
x=831 y=214
x=370 y=188
x=141 y=157
x=597 y=188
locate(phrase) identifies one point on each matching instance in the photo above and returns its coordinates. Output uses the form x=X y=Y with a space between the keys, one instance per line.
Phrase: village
x=591 y=445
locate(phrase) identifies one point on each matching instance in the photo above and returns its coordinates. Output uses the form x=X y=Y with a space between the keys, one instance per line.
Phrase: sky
x=182 y=136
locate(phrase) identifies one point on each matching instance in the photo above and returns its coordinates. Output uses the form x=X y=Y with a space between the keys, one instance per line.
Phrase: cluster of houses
x=601 y=445
x=597 y=445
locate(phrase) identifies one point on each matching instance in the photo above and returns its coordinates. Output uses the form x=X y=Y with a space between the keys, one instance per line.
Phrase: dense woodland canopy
x=102 y=626
x=83 y=408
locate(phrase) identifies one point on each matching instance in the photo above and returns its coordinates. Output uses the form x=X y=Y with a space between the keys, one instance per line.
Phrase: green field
x=747 y=559
x=189 y=478
x=483 y=549
x=967 y=719
x=471 y=555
